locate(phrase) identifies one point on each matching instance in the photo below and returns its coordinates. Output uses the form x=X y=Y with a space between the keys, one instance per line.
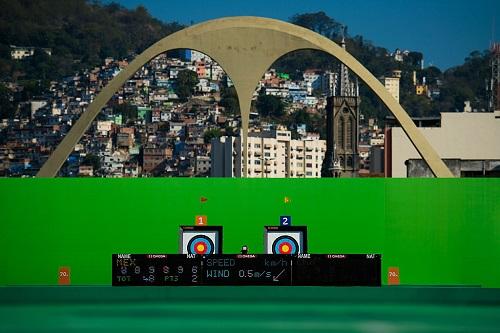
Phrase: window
x=341 y=133
x=349 y=161
x=350 y=130
x=300 y=165
x=309 y=157
x=309 y=165
x=257 y=162
x=267 y=154
x=309 y=173
x=257 y=145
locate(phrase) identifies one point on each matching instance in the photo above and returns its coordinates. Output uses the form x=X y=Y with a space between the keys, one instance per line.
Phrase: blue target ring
x=285 y=245
x=200 y=244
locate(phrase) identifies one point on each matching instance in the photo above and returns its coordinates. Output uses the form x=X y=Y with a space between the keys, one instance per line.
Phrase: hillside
x=82 y=33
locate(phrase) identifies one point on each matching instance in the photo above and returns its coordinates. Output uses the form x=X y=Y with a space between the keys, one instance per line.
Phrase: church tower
x=342 y=126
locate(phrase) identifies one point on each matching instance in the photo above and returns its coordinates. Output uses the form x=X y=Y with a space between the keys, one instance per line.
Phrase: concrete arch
x=245 y=47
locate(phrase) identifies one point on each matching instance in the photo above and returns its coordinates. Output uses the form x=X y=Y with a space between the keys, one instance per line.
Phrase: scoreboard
x=246 y=270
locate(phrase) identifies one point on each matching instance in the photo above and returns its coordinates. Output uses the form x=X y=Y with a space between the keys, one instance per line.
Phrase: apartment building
x=271 y=154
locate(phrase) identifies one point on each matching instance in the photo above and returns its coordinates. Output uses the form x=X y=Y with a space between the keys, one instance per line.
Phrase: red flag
x=203 y=199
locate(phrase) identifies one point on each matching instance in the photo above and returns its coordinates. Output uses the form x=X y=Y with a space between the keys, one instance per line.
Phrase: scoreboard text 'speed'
x=249 y=269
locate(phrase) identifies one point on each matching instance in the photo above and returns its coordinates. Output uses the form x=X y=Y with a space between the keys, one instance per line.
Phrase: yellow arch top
x=245 y=47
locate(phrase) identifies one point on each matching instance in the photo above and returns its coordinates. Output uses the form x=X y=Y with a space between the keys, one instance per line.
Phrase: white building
x=466 y=141
x=104 y=127
x=19 y=53
x=271 y=154
x=392 y=85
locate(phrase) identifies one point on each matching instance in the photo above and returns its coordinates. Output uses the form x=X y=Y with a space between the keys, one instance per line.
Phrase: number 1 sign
x=200 y=220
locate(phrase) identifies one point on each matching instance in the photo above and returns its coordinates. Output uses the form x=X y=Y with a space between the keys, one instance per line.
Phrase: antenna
x=343 y=31
x=492 y=31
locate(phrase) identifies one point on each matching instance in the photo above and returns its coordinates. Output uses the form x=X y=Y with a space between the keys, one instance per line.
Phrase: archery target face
x=284 y=242
x=200 y=242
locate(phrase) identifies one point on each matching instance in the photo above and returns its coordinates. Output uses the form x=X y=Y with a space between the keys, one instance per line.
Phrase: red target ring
x=200 y=248
x=285 y=248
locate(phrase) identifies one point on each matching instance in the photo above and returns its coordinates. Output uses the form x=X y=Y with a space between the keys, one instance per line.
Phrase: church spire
x=346 y=87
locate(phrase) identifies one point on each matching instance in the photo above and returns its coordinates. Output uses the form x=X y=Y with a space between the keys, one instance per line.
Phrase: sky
x=445 y=31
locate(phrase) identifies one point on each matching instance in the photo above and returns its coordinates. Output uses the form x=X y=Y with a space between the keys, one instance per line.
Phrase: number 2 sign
x=285 y=221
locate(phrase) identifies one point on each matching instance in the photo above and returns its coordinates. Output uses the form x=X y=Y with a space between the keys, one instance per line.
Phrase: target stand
x=285 y=240
x=200 y=240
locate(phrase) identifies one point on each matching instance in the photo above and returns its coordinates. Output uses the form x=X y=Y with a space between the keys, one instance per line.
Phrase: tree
x=318 y=22
x=415 y=58
x=7 y=108
x=80 y=33
x=127 y=111
x=229 y=131
x=431 y=74
x=229 y=100
x=186 y=81
x=270 y=106
x=93 y=161
x=211 y=134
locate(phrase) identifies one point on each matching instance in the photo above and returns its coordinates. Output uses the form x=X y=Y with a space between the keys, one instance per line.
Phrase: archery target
x=284 y=241
x=200 y=244
x=201 y=240
x=285 y=245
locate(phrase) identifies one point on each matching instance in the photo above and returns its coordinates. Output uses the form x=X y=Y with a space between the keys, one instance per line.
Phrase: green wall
x=437 y=231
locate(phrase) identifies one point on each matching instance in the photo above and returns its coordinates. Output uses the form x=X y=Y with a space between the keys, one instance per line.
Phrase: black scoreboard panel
x=156 y=270
x=248 y=269
x=337 y=270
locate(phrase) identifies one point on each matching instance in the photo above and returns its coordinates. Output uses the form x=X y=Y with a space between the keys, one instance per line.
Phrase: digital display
x=250 y=269
x=156 y=270
x=246 y=269
x=337 y=270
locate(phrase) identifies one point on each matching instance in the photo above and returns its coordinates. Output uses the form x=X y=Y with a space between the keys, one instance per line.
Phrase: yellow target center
x=285 y=248
x=200 y=247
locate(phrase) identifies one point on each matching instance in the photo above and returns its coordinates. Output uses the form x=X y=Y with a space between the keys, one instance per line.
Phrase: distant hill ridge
x=83 y=33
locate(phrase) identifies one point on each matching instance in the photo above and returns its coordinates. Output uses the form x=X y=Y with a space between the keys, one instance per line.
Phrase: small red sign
x=393 y=276
x=64 y=275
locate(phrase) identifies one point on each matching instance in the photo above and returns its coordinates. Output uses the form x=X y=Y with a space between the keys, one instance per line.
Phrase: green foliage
x=229 y=100
x=270 y=106
x=318 y=22
x=466 y=82
x=458 y=84
x=314 y=122
x=415 y=58
x=186 y=81
x=7 y=108
x=211 y=134
x=230 y=131
x=127 y=111
x=420 y=106
x=93 y=161
x=80 y=33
